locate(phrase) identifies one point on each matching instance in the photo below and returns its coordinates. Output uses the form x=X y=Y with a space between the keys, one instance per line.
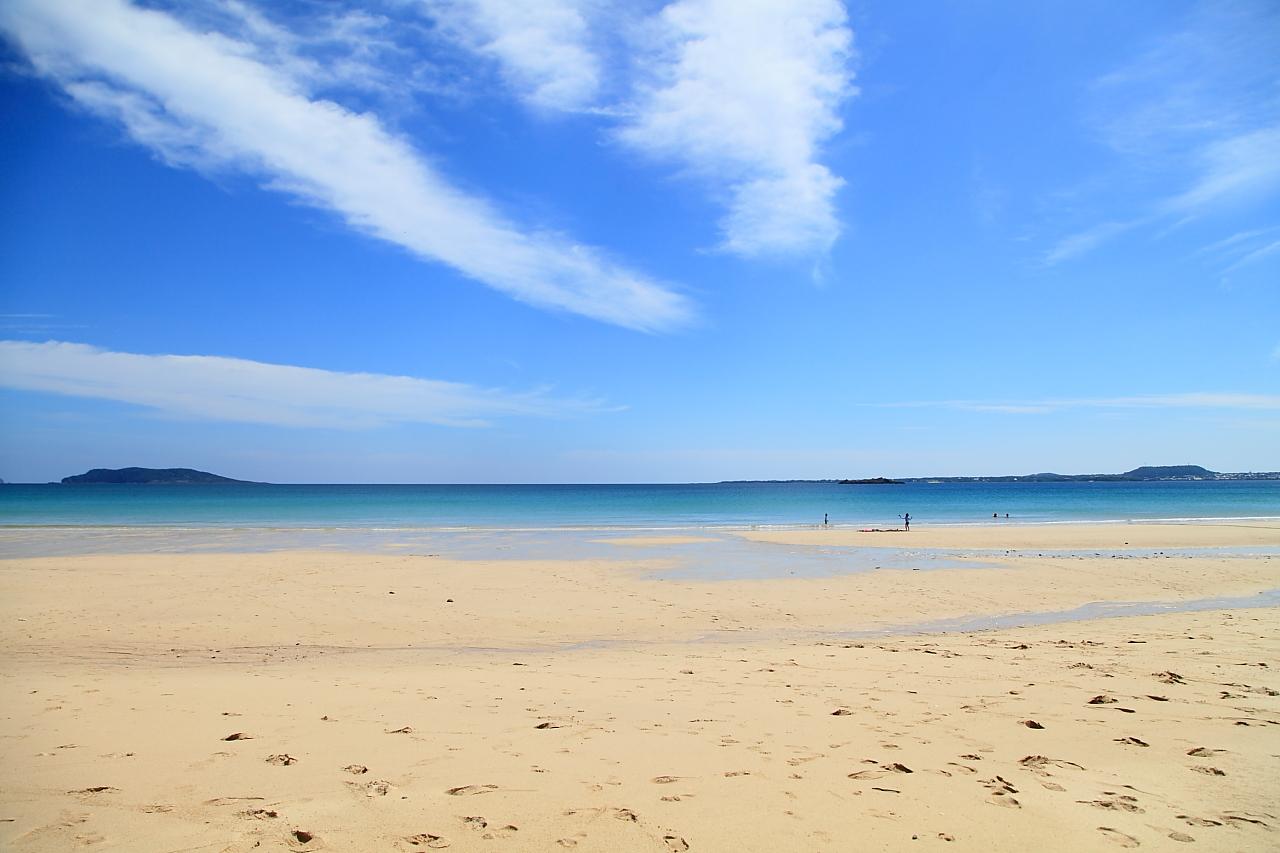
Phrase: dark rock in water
x=148 y=476
x=874 y=481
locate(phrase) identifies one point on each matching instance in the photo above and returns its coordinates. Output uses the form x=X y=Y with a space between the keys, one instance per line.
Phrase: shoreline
x=726 y=526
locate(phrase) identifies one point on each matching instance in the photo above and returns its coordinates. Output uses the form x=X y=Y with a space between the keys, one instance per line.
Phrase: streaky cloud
x=743 y=93
x=1253 y=257
x=201 y=99
x=1200 y=109
x=1086 y=241
x=1189 y=400
x=207 y=387
x=1238 y=166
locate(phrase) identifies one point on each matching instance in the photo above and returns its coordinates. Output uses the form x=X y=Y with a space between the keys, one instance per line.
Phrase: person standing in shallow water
x=906 y=521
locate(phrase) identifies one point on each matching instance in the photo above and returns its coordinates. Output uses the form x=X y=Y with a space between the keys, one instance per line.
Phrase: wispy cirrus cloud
x=1190 y=400
x=743 y=93
x=1194 y=120
x=1087 y=240
x=217 y=388
x=204 y=99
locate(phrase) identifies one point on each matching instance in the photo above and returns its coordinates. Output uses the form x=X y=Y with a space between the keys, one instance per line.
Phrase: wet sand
x=400 y=702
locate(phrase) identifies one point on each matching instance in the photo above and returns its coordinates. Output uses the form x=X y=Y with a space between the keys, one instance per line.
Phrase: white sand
x=590 y=705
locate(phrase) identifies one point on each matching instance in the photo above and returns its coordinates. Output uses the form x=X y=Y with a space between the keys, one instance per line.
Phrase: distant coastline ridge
x=148 y=476
x=1143 y=474
x=1146 y=473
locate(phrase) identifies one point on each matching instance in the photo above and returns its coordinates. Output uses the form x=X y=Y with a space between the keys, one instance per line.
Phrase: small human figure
x=906 y=521
x=1006 y=515
x=825 y=520
x=995 y=515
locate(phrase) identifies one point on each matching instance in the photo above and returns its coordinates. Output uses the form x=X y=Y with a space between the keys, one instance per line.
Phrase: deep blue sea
x=706 y=505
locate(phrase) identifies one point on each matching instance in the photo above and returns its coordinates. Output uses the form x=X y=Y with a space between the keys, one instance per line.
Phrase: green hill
x=148 y=476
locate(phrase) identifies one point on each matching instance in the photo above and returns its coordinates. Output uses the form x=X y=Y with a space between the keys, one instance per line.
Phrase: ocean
x=626 y=507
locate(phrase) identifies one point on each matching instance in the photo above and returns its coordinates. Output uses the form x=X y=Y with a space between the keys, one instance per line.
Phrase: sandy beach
x=308 y=700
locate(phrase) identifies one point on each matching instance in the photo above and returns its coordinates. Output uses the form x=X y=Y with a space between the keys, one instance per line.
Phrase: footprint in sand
x=1181 y=836
x=501 y=832
x=1238 y=818
x=664 y=780
x=238 y=736
x=281 y=760
x=475 y=822
x=1001 y=792
x=1199 y=821
x=1118 y=837
x=1038 y=763
x=260 y=814
x=626 y=815
x=1122 y=803
x=376 y=788
x=676 y=843
x=426 y=839
x=1208 y=771
x=96 y=789
x=356 y=769
x=884 y=770
x=1133 y=741
x=470 y=790
x=1204 y=751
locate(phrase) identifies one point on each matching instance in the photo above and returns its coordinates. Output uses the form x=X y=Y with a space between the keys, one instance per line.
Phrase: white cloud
x=234 y=389
x=542 y=45
x=1238 y=166
x=1087 y=240
x=1254 y=256
x=202 y=99
x=1190 y=400
x=1231 y=243
x=1194 y=118
x=743 y=93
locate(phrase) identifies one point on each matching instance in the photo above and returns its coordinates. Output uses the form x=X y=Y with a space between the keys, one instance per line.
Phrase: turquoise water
x=711 y=505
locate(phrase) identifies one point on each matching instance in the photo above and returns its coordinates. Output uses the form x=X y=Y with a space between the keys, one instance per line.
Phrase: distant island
x=1144 y=474
x=148 y=476
x=874 y=481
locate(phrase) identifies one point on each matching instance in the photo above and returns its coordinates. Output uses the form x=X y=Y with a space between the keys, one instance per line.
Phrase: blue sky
x=589 y=241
